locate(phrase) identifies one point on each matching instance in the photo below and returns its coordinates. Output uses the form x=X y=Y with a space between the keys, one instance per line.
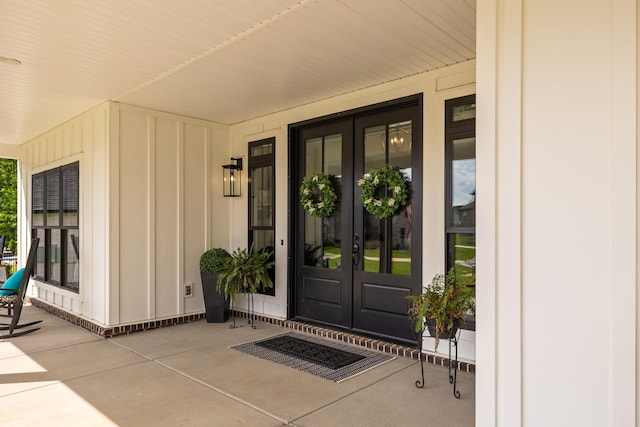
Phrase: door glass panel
x=373 y=238
x=332 y=255
x=322 y=235
x=375 y=147
x=400 y=143
x=313 y=158
x=387 y=242
x=463 y=180
x=312 y=225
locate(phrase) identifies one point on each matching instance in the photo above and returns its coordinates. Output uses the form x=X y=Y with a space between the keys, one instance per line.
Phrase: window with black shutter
x=55 y=212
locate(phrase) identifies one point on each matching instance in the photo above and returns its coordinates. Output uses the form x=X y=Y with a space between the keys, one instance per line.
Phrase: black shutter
x=70 y=194
x=37 y=200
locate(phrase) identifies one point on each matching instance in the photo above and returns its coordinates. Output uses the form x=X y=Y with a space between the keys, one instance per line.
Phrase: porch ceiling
x=222 y=60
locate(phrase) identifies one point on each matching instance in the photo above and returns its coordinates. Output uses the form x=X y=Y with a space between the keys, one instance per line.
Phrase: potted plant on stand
x=441 y=308
x=246 y=272
x=443 y=304
x=216 y=304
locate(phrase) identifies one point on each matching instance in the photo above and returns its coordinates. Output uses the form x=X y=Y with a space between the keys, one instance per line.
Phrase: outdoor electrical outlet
x=188 y=290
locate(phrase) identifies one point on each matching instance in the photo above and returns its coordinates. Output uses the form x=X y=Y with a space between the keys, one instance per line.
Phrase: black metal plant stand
x=250 y=314
x=453 y=378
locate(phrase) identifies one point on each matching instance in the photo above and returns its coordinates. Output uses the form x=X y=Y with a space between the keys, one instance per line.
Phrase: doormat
x=332 y=361
x=321 y=354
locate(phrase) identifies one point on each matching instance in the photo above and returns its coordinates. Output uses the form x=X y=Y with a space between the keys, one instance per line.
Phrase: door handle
x=355 y=252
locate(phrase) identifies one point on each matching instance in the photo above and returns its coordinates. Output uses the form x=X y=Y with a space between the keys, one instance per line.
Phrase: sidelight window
x=460 y=153
x=261 y=198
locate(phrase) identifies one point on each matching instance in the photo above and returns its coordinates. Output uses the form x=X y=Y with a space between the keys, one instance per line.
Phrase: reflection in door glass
x=387 y=242
x=322 y=235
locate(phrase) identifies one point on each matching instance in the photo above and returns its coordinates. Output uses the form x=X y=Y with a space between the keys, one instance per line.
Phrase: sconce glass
x=232 y=178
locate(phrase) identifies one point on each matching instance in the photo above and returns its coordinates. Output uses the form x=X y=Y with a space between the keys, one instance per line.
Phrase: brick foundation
x=372 y=343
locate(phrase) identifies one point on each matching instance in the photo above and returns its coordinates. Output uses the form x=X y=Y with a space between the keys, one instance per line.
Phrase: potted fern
x=246 y=272
x=212 y=262
x=442 y=304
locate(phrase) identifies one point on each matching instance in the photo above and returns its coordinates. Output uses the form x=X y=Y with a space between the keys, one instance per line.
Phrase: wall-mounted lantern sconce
x=232 y=178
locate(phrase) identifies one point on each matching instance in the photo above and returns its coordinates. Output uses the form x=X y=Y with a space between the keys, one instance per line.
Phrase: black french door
x=351 y=269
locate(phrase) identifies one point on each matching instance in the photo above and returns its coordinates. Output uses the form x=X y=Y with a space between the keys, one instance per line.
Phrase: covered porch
x=149 y=99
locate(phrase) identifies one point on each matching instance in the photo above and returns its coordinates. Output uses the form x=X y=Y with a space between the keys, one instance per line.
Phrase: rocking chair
x=12 y=297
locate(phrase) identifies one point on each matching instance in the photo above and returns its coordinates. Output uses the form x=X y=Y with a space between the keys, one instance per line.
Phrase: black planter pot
x=215 y=304
x=444 y=335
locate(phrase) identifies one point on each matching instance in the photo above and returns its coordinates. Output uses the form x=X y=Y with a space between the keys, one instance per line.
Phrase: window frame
x=255 y=162
x=64 y=199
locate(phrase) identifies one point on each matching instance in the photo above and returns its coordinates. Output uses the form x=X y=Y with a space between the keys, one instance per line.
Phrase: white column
x=557 y=213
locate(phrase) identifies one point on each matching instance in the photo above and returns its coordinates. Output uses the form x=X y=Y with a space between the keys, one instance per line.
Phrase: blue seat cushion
x=12 y=284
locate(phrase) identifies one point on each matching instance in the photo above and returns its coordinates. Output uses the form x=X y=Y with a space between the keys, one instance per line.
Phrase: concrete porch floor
x=186 y=375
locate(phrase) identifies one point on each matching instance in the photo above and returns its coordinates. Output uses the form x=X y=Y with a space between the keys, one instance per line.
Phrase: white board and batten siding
x=169 y=173
x=147 y=204
x=85 y=140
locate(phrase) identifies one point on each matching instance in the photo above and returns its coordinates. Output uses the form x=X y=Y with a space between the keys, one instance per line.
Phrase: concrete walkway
x=186 y=375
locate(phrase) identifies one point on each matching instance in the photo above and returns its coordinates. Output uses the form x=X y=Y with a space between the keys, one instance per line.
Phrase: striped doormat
x=332 y=361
